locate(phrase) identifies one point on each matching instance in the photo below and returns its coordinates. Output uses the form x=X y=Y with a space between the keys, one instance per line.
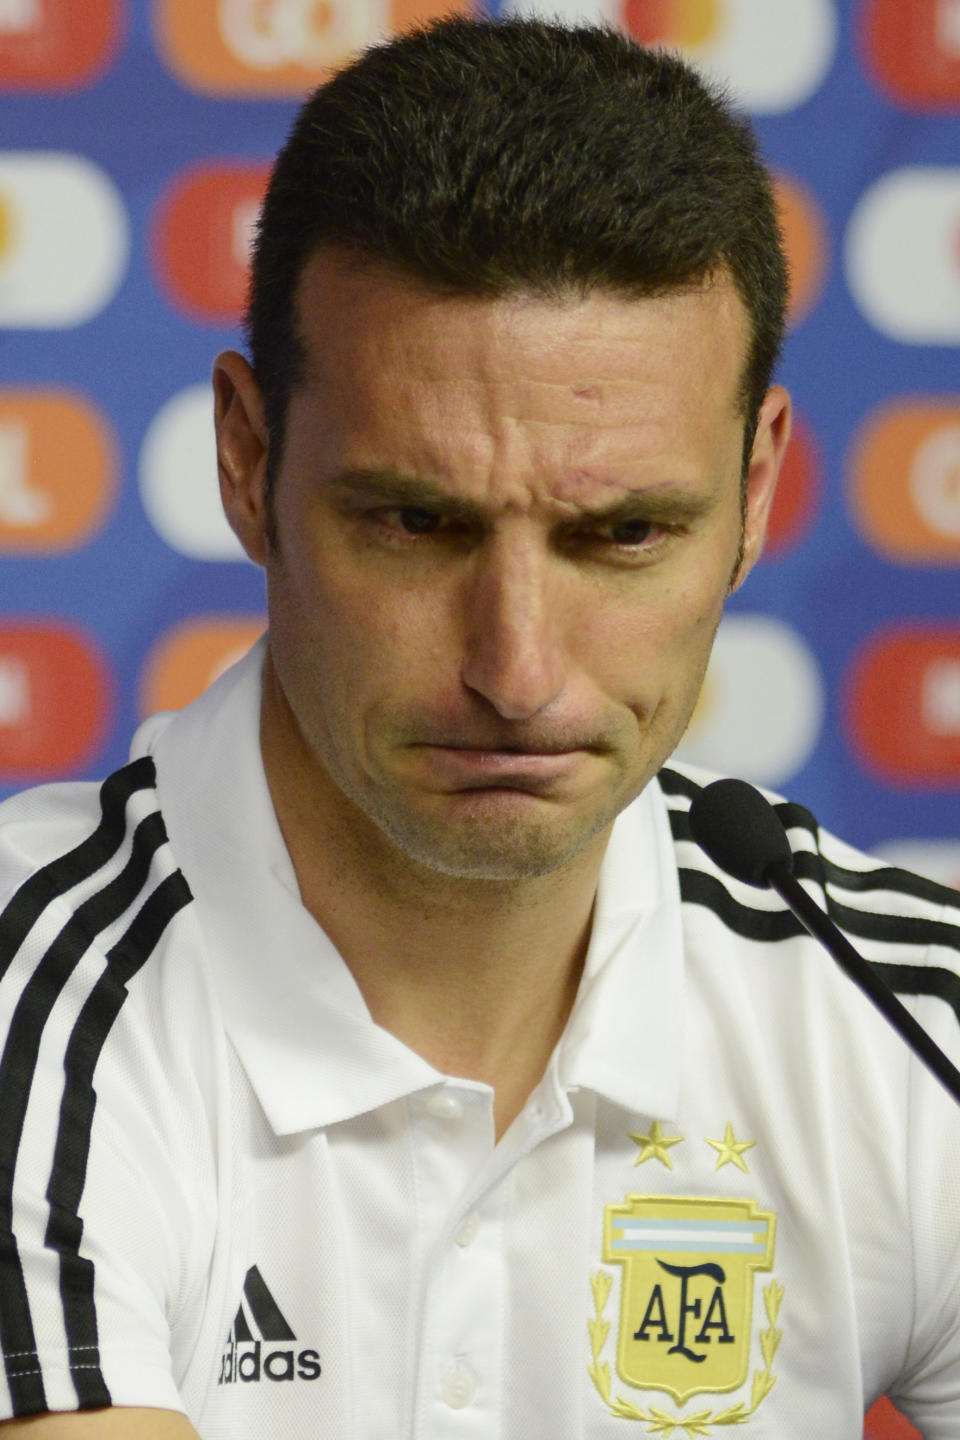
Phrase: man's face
x=505 y=531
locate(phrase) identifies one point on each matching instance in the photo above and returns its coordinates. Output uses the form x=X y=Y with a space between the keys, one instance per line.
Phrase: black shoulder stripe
x=35 y=894
x=40 y=994
x=18 y=1063
x=891 y=877
x=16 y=1325
x=876 y=925
x=894 y=929
x=673 y=783
x=814 y=865
x=699 y=888
x=796 y=817
x=68 y=1174
x=923 y=980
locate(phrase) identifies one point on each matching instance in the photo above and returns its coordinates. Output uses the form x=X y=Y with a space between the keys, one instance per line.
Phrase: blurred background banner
x=135 y=145
x=135 y=141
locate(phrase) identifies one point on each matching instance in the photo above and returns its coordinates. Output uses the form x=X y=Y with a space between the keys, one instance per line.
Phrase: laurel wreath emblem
x=658 y=1422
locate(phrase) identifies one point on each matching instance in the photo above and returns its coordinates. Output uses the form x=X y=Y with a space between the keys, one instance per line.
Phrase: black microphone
x=742 y=833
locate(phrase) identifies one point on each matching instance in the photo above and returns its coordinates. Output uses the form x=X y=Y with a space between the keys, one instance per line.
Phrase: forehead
x=385 y=308
x=389 y=361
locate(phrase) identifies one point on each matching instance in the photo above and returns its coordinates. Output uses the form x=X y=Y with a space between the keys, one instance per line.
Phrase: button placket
x=462 y=1340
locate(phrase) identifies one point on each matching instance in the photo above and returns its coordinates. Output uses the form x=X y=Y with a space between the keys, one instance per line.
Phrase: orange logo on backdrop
x=55 y=701
x=913 y=50
x=189 y=657
x=8 y=228
x=905 y=482
x=57 y=44
x=277 y=47
x=671 y=22
x=903 y=705
x=58 y=470
x=798 y=492
x=201 y=239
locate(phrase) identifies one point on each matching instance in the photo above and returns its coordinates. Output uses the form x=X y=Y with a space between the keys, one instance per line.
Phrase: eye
x=415 y=521
x=630 y=532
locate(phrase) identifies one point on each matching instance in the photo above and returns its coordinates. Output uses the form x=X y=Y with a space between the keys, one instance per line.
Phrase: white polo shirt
x=732 y=1201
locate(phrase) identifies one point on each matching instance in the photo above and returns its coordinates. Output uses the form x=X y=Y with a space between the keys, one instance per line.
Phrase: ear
x=766 y=458
x=242 y=446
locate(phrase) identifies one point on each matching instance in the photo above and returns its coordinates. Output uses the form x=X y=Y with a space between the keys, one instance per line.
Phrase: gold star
x=730 y=1151
x=655 y=1145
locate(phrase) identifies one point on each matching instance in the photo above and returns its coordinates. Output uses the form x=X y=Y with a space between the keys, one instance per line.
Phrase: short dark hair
x=490 y=157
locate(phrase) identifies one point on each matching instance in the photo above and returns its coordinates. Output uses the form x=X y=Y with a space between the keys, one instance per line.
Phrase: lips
x=470 y=767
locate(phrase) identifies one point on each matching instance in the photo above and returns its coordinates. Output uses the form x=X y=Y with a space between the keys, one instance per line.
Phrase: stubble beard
x=500 y=847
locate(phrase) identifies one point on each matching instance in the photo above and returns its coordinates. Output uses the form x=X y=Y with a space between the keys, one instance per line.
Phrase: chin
x=502 y=847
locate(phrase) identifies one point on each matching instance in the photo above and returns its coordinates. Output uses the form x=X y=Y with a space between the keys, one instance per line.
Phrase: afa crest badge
x=686 y=1322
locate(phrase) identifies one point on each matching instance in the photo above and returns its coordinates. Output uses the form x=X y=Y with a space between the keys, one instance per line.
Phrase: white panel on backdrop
x=64 y=240
x=935 y=476
x=903 y=257
x=178 y=478
x=299 y=30
x=773 y=54
x=20 y=503
x=762 y=706
x=571 y=12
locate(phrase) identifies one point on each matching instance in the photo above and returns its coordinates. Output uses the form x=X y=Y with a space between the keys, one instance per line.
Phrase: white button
x=468 y=1230
x=459 y=1387
x=443 y=1106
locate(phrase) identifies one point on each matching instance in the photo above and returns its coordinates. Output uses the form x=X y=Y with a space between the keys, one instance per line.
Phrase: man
x=378 y=1062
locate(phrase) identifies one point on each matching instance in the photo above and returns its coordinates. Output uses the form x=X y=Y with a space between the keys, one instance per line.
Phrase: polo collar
x=624 y=1038
x=291 y=1008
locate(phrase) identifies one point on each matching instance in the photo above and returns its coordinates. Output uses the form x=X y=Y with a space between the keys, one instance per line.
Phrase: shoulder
x=90 y=896
x=903 y=922
x=93 y=853
x=101 y=1141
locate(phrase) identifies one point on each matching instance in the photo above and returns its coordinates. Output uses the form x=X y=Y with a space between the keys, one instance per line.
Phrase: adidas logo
x=257 y=1347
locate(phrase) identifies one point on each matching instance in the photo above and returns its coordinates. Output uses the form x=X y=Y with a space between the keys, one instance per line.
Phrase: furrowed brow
x=666 y=505
x=386 y=487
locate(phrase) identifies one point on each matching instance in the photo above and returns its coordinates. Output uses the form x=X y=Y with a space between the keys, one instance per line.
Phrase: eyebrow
x=666 y=502
x=387 y=487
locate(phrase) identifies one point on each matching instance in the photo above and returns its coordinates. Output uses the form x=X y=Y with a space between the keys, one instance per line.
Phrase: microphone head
x=740 y=831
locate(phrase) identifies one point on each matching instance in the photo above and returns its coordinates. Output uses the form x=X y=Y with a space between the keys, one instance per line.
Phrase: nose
x=513 y=656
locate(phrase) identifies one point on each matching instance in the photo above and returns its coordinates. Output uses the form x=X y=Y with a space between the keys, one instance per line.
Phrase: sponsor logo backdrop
x=134 y=148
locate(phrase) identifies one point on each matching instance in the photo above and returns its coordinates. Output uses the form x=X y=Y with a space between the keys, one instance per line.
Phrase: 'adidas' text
x=248 y=1362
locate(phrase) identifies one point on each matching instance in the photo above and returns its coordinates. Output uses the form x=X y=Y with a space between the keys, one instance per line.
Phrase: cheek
x=639 y=646
x=341 y=628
